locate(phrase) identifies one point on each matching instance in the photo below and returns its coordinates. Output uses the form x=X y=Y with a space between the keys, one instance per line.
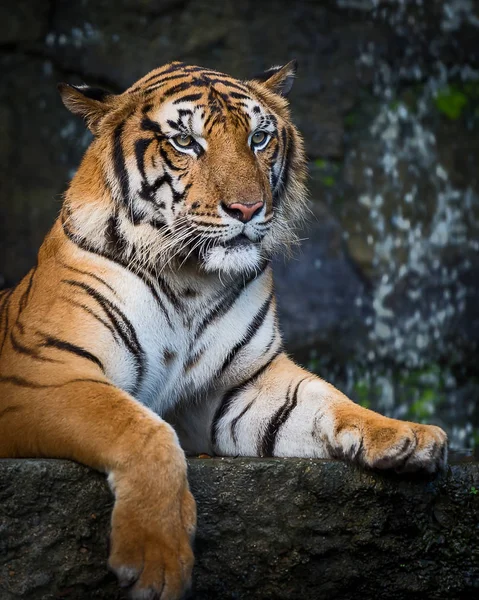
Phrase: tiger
x=147 y=330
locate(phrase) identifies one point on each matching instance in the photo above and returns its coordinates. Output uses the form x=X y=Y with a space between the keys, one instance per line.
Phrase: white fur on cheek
x=231 y=260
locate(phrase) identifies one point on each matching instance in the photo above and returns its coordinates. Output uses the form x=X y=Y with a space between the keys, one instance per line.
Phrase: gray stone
x=276 y=529
x=23 y=21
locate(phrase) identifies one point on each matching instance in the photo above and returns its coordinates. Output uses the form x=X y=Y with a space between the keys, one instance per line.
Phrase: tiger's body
x=150 y=315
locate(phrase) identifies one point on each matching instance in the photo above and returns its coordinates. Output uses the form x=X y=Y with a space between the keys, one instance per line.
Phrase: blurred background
x=382 y=299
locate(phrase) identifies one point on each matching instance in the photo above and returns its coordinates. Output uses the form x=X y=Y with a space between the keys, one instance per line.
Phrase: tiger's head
x=189 y=164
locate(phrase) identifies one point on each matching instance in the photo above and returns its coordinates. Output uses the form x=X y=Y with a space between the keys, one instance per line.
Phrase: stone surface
x=273 y=529
x=384 y=290
x=23 y=21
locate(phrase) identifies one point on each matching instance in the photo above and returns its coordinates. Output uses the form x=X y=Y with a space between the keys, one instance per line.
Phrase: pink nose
x=243 y=212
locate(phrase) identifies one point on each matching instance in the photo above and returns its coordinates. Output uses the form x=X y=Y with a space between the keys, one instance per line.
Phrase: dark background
x=383 y=296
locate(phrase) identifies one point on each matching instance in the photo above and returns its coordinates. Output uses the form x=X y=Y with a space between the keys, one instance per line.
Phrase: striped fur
x=150 y=318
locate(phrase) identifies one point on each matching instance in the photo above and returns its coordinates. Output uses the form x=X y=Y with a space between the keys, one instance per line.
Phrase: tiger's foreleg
x=286 y=411
x=97 y=424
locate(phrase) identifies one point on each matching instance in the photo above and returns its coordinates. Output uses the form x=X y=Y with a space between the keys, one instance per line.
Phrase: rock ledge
x=277 y=529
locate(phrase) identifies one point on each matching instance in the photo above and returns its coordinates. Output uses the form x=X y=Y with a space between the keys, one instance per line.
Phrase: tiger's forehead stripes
x=219 y=99
x=186 y=118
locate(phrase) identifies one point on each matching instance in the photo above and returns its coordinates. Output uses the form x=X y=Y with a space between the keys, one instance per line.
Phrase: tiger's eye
x=185 y=141
x=258 y=138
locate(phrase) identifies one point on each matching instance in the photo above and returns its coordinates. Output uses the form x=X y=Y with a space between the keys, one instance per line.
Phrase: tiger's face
x=195 y=166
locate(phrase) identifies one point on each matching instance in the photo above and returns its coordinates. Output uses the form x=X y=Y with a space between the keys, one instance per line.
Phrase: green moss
x=394 y=105
x=451 y=102
x=320 y=163
x=363 y=393
x=421 y=394
x=423 y=407
x=350 y=120
x=328 y=180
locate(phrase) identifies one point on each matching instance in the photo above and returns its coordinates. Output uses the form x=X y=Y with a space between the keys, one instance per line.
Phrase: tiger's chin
x=235 y=259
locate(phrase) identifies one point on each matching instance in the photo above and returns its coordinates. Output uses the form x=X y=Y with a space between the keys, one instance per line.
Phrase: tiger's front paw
x=153 y=525
x=154 y=558
x=382 y=443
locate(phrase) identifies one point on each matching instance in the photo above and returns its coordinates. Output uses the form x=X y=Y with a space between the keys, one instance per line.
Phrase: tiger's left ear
x=279 y=79
x=88 y=102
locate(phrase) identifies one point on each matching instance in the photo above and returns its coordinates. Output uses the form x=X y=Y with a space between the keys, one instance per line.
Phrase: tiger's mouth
x=239 y=241
x=236 y=255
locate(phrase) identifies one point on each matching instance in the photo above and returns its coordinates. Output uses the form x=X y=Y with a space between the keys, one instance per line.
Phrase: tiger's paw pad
x=405 y=447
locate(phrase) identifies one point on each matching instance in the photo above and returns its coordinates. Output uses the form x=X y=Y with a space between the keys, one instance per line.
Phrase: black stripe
x=88 y=274
x=53 y=342
x=220 y=308
x=267 y=444
x=26 y=294
x=167 y=160
x=5 y=311
x=149 y=125
x=119 y=162
x=148 y=191
x=221 y=411
x=169 y=293
x=229 y=84
x=121 y=324
x=287 y=159
x=208 y=119
x=173 y=124
x=189 y=98
x=118 y=319
x=110 y=255
x=20 y=381
x=160 y=82
x=181 y=87
x=250 y=333
x=231 y=395
x=9 y=409
x=252 y=379
x=270 y=343
x=157 y=223
x=208 y=224
x=22 y=303
x=235 y=421
x=114 y=240
x=141 y=146
x=240 y=96
x=91 y=312
x=32 y=352
x=4 y=298
x=173 y=67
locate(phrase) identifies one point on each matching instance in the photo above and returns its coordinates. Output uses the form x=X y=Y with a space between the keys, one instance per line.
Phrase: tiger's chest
x=186 y=340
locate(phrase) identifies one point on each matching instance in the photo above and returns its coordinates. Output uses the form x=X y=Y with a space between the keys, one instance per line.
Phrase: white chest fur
x=191 y=332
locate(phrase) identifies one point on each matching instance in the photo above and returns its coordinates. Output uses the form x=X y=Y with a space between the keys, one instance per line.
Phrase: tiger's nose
x=242 y=212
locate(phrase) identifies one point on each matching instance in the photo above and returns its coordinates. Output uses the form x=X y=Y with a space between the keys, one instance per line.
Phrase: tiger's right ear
x=90 y=103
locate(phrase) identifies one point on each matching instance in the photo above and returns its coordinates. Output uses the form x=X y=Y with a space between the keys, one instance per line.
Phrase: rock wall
x=273 y=529
x=383 y=297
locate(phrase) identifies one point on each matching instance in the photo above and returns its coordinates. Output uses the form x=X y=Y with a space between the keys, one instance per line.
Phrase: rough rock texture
x=383 y=297
x=276 y=529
